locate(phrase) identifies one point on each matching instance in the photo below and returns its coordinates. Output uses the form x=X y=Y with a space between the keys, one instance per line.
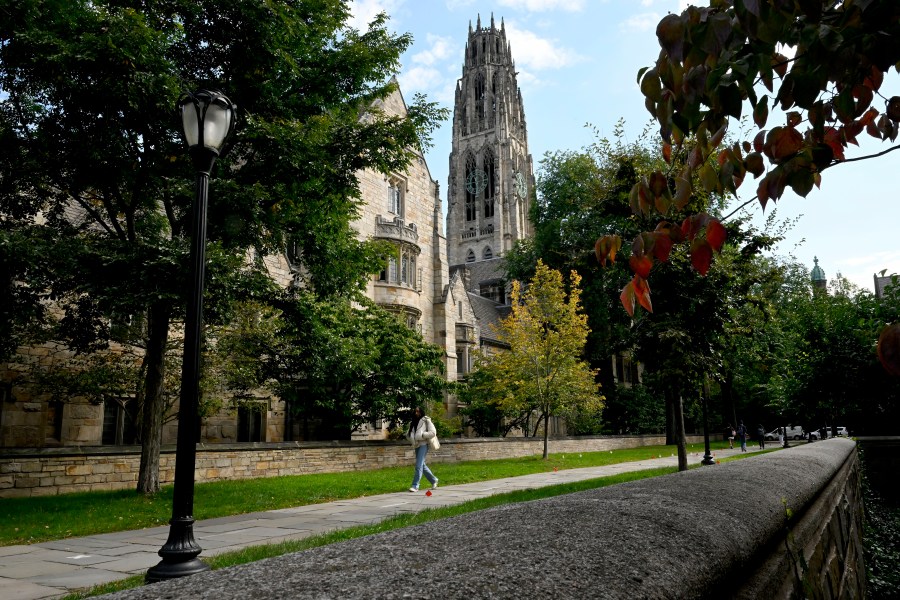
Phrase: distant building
x=883 y=281
x=819 y=281
x=491 y=178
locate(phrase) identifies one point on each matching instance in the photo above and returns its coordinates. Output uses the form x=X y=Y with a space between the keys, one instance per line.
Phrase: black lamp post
x=708 y=457
x=208 y=119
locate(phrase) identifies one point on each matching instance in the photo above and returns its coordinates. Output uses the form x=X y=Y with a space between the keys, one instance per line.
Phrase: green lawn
x=31 y=520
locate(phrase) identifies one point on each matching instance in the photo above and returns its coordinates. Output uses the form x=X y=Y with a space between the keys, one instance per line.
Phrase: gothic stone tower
x=490 y=168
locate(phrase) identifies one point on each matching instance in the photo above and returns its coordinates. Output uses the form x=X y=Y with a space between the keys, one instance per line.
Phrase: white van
x=793 y=433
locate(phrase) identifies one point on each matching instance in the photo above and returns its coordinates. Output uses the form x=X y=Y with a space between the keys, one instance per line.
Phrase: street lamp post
x=708 y=457
x=208 y=119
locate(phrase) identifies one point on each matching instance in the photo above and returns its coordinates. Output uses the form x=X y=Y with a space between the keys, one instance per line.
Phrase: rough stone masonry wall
x=52 y=471
x=712 y=532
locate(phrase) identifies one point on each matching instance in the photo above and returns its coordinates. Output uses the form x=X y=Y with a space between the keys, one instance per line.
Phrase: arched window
x=470 y=257
x=487 y=254
x=470 y=195
x=489 y=188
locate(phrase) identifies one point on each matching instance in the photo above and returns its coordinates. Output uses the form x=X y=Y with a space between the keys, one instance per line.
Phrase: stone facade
x=491 y=176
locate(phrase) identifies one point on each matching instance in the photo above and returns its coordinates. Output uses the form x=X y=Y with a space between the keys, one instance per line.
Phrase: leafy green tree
x=806 y=356
x=590 y=195
x=543 y=370
x=96 y=188
x=582 y=195
x=336 y=363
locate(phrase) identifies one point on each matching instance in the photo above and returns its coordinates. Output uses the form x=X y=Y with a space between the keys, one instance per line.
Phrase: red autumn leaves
x=705 y=234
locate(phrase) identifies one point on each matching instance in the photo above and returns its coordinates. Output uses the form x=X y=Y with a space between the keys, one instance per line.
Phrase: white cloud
x=640 y=22
x=439 y=86
x=440 y=48
x=421 y=78
x=363 y=11
x=431 y=70
x=544 y=5
x=534 y=52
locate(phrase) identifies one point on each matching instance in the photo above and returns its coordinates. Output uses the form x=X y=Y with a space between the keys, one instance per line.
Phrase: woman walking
x=421 y=431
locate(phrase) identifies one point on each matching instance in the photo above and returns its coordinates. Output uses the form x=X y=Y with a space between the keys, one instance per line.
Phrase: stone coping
x=696 y=534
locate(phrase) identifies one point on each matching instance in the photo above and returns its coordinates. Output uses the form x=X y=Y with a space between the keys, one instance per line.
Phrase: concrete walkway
x=53 y=569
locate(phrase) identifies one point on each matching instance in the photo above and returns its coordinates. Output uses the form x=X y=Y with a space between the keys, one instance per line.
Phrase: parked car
x=841 y=431
x=795 y=433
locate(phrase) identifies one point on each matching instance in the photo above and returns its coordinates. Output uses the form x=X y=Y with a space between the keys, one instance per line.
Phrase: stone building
x=491 y=180
x=883 y=281
x=449 y=287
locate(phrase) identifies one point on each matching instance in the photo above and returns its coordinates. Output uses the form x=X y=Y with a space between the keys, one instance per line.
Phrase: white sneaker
x=414 y=490
x=434 y=485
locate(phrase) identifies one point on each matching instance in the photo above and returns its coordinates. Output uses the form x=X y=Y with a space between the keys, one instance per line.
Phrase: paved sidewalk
x=52 y=569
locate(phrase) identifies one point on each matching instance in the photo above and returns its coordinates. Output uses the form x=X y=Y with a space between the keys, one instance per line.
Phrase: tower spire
x=491 y=174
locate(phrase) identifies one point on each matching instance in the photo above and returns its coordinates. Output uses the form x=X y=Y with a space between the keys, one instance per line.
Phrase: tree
x=715 y=59
x=582 y=195
x=96 y=189
x=542 y=370
x=335 y=363
x=587 y=195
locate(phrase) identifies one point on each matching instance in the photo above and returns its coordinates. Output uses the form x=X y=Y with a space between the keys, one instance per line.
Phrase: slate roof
x=488 y=313
x=482 y=271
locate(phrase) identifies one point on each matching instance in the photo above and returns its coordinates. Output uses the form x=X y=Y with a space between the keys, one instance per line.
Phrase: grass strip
x=36 y=519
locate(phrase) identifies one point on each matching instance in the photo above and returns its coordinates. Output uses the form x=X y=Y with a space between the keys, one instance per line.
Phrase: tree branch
x=729 y=215
x=876 y=155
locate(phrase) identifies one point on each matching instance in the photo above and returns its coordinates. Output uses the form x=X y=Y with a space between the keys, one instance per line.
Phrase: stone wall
x=712 y=532
x=49 y=471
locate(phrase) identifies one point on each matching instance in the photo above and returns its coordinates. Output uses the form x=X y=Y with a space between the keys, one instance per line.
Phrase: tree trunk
x=546 y=432
x=678 y=406
x=671 y=435
x=154 y=402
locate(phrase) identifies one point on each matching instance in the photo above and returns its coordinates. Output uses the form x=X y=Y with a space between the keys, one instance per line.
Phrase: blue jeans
x=421 y=467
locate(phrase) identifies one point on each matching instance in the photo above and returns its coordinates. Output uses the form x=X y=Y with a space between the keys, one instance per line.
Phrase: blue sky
x=577 y=62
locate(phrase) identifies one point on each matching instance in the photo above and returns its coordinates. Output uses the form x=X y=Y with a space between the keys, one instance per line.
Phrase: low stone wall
x=48 y=471
x=713 y=532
